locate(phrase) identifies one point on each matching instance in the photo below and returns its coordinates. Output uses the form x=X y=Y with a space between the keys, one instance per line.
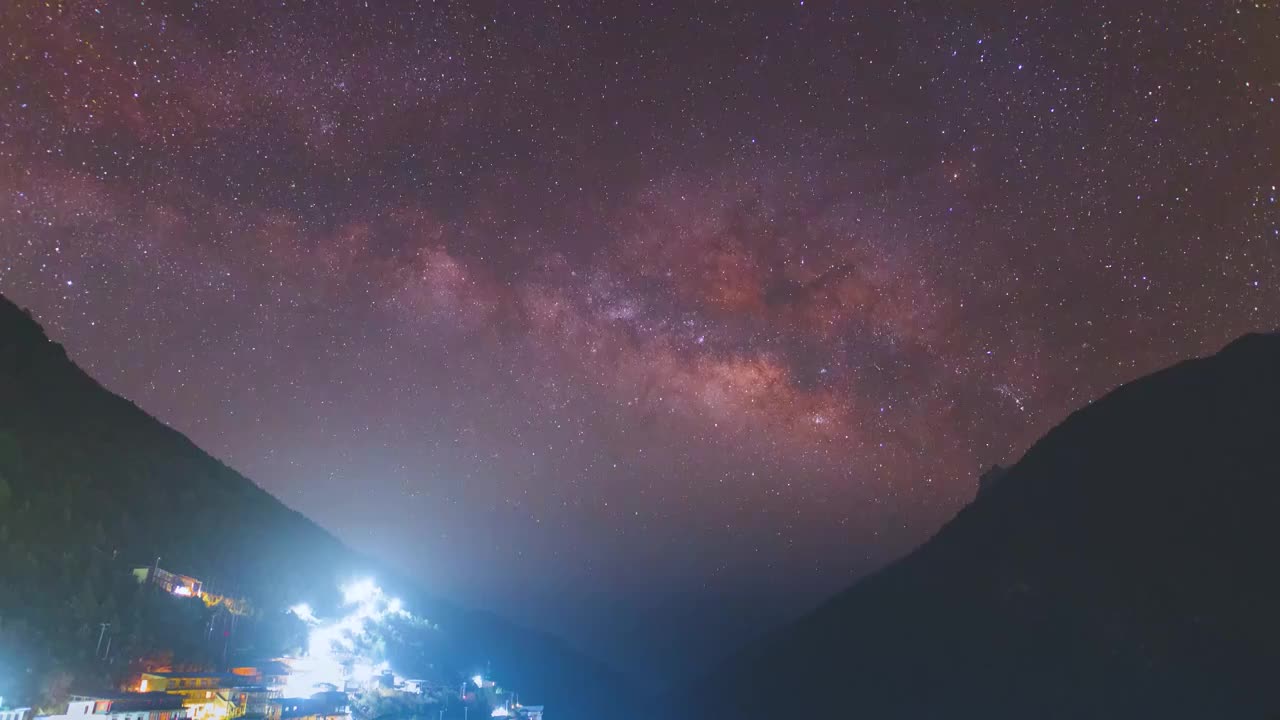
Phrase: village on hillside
x=332 y=679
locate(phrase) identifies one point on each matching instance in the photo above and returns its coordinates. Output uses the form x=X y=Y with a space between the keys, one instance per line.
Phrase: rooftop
x=129 y=701
x=325 y=703
x=146 y=701
x=189 y=675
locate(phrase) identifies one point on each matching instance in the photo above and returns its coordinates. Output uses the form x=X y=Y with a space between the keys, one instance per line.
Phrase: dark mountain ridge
x=90 y=485
x=1123 y=568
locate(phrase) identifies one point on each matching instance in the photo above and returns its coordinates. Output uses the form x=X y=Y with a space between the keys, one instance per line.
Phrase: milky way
x=608 y=301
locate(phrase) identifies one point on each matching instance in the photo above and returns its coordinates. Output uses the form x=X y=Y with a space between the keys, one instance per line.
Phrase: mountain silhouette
x=91 y=485
x=1125 y=567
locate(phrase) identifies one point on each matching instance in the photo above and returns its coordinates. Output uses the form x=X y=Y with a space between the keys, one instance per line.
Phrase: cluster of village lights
x=331 y=658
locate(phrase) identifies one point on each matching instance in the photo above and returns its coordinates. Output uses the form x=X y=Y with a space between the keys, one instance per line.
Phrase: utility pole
x=97 y=652
x=226 y=635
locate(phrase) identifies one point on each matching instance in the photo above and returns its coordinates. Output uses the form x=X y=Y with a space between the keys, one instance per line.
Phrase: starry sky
x=589 y=313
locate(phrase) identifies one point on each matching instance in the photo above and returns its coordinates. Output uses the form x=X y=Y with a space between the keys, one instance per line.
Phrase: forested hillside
x=1123 y=568
x=91 y=486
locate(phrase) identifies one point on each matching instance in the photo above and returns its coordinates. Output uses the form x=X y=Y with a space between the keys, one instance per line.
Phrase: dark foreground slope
x=1127 y=567
x=91 y=485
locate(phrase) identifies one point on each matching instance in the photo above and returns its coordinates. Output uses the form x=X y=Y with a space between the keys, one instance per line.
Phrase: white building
x=122 y=706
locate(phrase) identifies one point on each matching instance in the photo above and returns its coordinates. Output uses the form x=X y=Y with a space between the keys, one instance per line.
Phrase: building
x=187 y=586
x=272 y=675
x=184 y=585
x=207 y=696
x=15 y=713
x=321 y=706
x=256 y=702
x=190 y=685
x=258 y=688
x=124 y=706
x=518 y=711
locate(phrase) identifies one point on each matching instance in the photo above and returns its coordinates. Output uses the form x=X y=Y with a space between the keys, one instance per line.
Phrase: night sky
x=584 y=311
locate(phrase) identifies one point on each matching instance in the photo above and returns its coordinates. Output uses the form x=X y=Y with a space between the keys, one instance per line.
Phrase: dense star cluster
x=634 y=298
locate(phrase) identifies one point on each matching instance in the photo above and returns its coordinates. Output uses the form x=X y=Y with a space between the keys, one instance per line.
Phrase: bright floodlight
x=363 y=673
x=360 y=592
x=479 y=681
x=337 y=647
x=304 y=612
